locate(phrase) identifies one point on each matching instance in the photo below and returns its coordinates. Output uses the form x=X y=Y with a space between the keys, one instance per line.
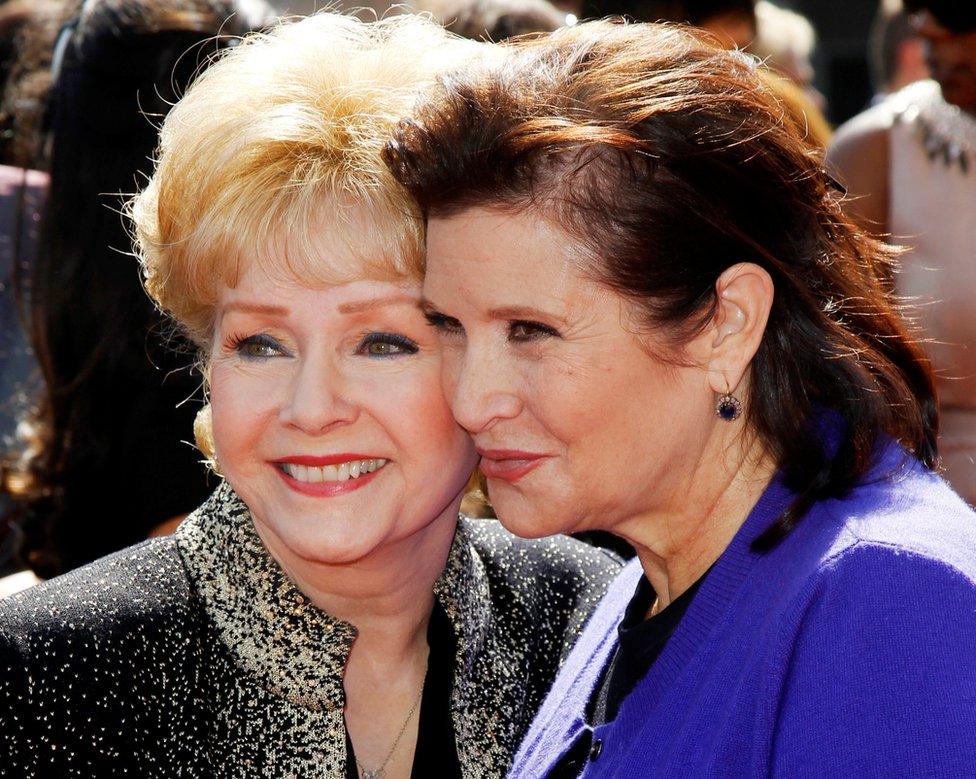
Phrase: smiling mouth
x=339 y=472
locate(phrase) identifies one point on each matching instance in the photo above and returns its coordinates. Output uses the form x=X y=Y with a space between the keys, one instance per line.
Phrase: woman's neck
x=678 y=542
x=387 y=595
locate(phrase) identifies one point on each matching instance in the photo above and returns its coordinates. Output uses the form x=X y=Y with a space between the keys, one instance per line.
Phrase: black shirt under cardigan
x=641 y=640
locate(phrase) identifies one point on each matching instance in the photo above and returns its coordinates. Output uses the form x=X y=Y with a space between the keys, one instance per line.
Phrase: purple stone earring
x=728 y=407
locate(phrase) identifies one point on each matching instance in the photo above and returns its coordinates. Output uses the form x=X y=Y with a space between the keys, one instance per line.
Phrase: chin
x=526 y=522
x=329 y=548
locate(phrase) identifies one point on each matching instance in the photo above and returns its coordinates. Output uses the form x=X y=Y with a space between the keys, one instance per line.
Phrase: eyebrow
x=253 y=308
x=365 y=305
x=520 y=312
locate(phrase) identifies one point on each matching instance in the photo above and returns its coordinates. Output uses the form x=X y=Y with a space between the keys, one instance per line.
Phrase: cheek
x=413 y=408
x=571 y=398
x=241 y=405
x=451 y=360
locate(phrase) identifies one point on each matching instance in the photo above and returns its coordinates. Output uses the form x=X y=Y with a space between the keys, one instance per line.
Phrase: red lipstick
x=329 y=459
x=508 y=464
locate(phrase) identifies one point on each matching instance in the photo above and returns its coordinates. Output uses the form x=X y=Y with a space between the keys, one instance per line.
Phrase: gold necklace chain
x=378 y=773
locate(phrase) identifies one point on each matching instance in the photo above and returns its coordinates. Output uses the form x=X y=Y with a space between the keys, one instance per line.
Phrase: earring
x=728 y=407
x=203 y=433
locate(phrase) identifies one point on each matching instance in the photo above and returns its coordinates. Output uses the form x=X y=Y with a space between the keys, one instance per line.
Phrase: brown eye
x=522 y=331
x=444 y=325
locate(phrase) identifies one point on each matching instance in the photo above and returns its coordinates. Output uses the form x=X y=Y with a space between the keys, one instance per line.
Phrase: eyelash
x=443 y=324
x=241 y=344
x=532 y=331
x=401 y=342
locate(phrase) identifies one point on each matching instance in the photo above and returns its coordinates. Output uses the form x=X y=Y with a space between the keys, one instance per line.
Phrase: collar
x=274 y=632
x=946 y=133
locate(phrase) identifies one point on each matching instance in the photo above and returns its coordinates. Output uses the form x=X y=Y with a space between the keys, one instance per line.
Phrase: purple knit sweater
x=848 y=651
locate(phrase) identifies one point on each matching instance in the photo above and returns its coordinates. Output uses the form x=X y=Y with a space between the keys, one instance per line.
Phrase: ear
x=745 y=295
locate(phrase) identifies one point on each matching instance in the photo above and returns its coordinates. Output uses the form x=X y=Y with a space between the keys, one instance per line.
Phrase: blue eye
x=259 y=347
x=383 y=345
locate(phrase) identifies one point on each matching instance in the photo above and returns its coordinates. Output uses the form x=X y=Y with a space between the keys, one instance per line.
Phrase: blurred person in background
x=735 y=24
x=785 y=42
x=910 y=165
x=495 y=20
x=326 y=612
x=22 y=193
x=896 y=54
x=35 y=25
x=103 y=459
x=732 y=22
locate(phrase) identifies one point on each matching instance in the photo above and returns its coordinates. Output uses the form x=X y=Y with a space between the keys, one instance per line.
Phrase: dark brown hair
x=670 y=161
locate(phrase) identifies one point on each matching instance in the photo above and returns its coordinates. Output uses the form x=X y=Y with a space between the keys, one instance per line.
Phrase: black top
x=436 y=752
x=640 y=642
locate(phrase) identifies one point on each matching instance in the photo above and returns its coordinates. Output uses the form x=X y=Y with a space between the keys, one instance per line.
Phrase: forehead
x=487 y=258
x=522 y=247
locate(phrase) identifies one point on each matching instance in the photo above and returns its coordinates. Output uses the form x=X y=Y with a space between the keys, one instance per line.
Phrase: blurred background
x=840 y=59
x=97 y=390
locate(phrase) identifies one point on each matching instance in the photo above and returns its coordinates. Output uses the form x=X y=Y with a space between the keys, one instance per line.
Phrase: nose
x=482 y=388
x=318 y=400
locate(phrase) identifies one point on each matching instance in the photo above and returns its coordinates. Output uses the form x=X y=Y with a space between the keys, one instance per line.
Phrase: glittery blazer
x=196 y=656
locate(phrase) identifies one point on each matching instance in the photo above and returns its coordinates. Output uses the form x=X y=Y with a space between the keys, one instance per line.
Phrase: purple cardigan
x=849 y=650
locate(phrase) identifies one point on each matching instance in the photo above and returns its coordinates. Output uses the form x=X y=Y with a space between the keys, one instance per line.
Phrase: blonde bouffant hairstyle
x=279 y=137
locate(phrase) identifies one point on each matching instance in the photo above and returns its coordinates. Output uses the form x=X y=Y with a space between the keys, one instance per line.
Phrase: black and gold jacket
x=196 y=656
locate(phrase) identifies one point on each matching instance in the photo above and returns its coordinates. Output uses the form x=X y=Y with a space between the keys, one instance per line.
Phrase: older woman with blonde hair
x=324 y=613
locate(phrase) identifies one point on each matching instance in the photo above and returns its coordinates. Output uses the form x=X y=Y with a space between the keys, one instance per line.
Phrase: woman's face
x=328 y=415
x=579 y=427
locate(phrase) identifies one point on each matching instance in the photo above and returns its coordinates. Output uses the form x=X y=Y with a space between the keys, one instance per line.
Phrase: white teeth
x=341 y=472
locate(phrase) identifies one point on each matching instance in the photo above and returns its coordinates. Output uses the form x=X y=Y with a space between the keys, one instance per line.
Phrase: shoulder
x=556 y=558
x=548 y=585
x=883 y=637
x=904 y=507
x=134 y=592
x=879 y=677
x=859 y=155
x=98 y=667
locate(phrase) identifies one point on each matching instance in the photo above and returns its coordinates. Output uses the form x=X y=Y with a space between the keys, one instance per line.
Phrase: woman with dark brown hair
x=657 y=321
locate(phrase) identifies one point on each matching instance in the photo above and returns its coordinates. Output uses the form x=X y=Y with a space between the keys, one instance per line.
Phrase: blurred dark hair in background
x=699 y=13
x=895 y=53
x=104 y=460
x=955 y=15
x=494 y=20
